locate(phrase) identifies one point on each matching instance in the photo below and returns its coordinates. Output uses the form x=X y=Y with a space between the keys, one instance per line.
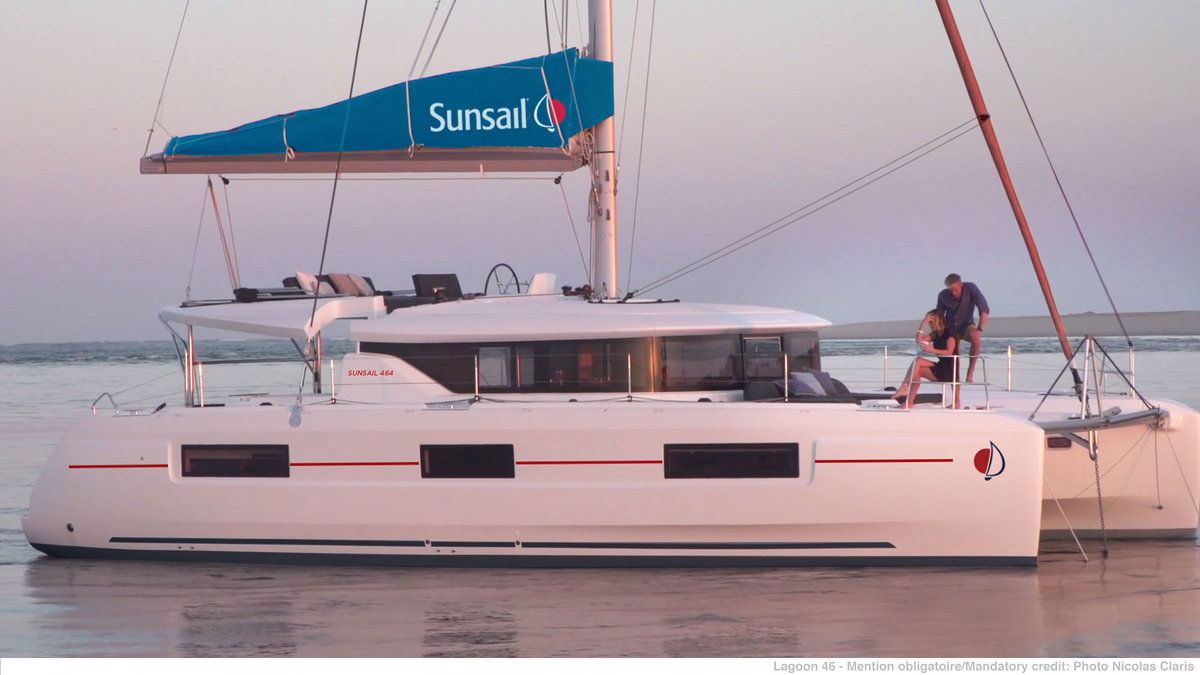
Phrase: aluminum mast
x=603 y=202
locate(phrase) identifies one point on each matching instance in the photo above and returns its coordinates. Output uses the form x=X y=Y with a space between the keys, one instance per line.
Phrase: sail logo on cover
x=548 y=113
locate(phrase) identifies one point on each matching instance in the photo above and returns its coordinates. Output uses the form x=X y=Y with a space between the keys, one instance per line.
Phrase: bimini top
x=530 y=318
x=518 y=116
x=276 y=318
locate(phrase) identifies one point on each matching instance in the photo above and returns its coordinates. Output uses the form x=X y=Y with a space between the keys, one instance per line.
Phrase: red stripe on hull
x=355 y=464
x=877 y=461
x=596 y=461
x=116 y=466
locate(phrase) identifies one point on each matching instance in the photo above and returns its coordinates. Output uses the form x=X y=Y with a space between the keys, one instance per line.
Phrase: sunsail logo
x=548 y=113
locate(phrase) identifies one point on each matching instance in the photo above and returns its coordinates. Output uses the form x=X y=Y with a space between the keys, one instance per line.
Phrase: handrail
x=1012 y=365
x=954 y=383
x=111 y=400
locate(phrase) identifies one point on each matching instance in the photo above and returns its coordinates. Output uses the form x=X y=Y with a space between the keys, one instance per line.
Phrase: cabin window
x=803 y=350
x=676 y=363
x=559 y=366
x=494 y=367
x=467 y=461
x=235 y=461
x=763 y=356
x=708 y=362
x=731 y=460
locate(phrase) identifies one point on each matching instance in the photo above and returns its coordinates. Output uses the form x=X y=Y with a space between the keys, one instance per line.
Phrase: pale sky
x=753 y=110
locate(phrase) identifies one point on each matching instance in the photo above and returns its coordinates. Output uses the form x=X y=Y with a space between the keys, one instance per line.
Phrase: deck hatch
x=468 y=461
x=731 y=460
x=235 y=461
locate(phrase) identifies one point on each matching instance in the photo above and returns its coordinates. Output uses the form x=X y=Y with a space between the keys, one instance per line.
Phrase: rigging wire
x=234 y=282
x=187 y=293
x=1057 y=180
x=628 y=80
x=816 y=205
x=162 y=92
x=560 y=24
x=562 y=33
x=438 y=39
x=575 y=232
x=583 y=35
x=229 y=219
x=637 y=182
x=337 y=172
x=421 y=47
x=546 y=15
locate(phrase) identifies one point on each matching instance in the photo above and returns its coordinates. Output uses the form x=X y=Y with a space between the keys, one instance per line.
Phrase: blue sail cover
x=514 y=116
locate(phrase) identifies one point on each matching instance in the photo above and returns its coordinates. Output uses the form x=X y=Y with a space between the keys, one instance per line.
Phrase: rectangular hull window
x=467 y=461
x=731 y=460
x=230 y=461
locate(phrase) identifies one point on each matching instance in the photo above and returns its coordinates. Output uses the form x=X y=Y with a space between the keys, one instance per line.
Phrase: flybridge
x=518 y=116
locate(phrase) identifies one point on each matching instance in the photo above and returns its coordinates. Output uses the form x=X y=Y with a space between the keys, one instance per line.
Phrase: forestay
x=519 y=116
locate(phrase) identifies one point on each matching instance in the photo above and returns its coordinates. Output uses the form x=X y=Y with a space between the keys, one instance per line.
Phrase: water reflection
x=1144 y=599
x=466 y=629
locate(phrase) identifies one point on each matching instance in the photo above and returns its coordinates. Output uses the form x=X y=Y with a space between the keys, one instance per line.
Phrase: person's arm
x=951 y=347
x=924 y=340
x=981 y=303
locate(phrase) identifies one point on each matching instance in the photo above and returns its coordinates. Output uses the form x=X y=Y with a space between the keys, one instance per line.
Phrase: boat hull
x=589 y=488
x=1149 y=473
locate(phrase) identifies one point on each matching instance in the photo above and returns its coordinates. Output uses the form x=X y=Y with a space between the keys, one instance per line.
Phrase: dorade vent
x=467 y=461
x=235 y=461
x=731 y=460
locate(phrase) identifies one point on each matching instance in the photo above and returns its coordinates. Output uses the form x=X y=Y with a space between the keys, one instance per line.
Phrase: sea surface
x=1141 y=600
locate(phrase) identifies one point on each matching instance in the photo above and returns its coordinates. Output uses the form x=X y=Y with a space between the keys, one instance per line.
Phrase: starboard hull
x=591 y=487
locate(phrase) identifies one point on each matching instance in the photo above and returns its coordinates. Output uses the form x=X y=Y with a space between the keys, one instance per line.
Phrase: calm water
x=1142 y=600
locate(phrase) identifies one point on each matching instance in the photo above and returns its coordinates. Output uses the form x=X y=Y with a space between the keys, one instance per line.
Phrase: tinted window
x=731 y=460
x=561 y=366
x=226 y=461
x=467 y=461
x=700 y=362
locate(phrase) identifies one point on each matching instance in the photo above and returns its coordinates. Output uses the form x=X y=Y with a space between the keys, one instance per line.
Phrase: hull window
x=233 y=461
x=467 y=461
x=731 y=460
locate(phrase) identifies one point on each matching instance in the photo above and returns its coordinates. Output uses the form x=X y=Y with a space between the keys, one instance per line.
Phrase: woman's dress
x=943 y=370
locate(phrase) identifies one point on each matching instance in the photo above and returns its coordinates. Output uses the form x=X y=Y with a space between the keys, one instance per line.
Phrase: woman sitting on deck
x=933 y=339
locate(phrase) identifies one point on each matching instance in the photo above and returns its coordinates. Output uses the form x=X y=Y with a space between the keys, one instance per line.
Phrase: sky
x=753 y=110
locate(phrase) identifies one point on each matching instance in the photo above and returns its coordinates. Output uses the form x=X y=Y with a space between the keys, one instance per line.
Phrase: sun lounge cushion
x=364 y=288
x=343 y=284
x=307 y=281
x=826 y=382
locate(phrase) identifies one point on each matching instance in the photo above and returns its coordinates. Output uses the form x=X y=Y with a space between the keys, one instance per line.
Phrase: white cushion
x=364 y=289
x=809 y=381
x=307 y=281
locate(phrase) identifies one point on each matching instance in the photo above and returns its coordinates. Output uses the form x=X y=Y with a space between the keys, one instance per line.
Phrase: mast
x=989 y=134
x=603 y=202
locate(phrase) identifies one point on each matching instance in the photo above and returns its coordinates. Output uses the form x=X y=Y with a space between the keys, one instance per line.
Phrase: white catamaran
x=569 y=427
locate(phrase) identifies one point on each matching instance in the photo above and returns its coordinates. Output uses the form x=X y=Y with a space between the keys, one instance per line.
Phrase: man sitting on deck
x=960 y=299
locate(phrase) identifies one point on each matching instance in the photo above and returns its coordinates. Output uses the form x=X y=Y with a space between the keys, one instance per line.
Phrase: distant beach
x=1077 y=325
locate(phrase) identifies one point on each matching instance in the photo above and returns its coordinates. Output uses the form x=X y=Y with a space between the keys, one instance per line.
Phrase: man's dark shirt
x=960 y=312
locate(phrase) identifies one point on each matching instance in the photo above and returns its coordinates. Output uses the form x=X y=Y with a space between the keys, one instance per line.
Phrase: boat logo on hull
x=989 y=461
